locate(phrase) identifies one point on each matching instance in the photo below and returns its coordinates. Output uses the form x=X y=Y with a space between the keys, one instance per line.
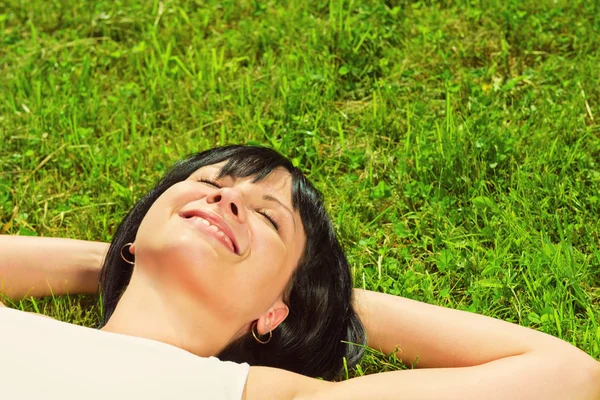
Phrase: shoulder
x=3 y=306
x=140 y=368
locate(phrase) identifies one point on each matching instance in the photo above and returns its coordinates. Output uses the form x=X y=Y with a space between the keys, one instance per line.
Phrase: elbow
x=574 y=372
x=585 y=372
x=594 y=374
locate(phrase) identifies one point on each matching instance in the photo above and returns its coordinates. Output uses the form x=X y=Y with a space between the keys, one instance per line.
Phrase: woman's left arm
x=37 y=266
x=440 y=337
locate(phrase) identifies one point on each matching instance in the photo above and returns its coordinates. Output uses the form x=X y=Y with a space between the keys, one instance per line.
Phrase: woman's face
x=230 y=244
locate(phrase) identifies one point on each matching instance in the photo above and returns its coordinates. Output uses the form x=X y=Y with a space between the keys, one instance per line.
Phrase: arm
x=34 y=266
x=441 y=337
x=492 y=359
x=534 y=375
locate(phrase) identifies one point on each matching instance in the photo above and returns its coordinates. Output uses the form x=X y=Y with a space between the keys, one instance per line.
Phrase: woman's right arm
x=37 y=266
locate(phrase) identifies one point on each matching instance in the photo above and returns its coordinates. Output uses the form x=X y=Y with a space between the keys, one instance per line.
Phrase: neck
x=143 y=311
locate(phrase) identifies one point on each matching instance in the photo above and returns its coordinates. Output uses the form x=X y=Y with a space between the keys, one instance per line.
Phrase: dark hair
x=321 y=317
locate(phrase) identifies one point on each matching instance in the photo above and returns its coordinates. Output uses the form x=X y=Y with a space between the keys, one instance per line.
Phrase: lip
x=216 y=220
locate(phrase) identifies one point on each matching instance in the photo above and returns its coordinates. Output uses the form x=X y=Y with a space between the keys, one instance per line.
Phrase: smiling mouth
x=213 y=229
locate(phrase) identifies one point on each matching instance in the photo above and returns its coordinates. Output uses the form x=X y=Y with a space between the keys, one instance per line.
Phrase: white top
x=41 y=358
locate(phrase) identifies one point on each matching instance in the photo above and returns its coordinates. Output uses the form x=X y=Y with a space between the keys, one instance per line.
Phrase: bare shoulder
x=2 y=305
x=40 y=315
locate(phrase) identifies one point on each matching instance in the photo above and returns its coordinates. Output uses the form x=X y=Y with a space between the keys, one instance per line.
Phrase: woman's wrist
x=89 y=264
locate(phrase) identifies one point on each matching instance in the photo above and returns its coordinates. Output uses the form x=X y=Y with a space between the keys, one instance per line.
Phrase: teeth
x=229 y=242
x=217 y=230
x=205 y=222
x=210 y=226
x=224 y=236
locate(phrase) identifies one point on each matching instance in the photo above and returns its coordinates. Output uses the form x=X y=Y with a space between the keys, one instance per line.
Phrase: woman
x=230 y=261
x=280 y=254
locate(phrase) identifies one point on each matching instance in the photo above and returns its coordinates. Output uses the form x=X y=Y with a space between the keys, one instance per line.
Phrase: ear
x=132 y=249
x=273 y=317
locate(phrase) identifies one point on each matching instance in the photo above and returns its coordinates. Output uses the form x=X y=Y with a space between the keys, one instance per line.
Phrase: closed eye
x=270 y=218
x=211 y=183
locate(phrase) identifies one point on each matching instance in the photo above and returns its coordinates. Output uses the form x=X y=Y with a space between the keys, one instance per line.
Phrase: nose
x=230 y=200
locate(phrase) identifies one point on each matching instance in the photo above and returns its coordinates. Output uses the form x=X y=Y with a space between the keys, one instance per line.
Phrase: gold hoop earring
x=123 y=257
x=256 y=337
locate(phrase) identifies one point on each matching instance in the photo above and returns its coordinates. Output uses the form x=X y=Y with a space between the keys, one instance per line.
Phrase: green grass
x=457 y=143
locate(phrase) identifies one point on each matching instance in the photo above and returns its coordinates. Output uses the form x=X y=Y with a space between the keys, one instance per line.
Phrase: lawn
x=457 y=143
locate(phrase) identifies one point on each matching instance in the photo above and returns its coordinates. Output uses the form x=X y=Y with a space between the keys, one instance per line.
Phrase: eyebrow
x=268 y=197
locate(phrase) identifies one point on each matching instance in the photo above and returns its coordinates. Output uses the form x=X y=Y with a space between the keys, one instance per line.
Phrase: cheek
x=155 y=224
x=270 y=253
x=270 y=269
x=152 y=223
x=253 y=285
x=172 y=252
